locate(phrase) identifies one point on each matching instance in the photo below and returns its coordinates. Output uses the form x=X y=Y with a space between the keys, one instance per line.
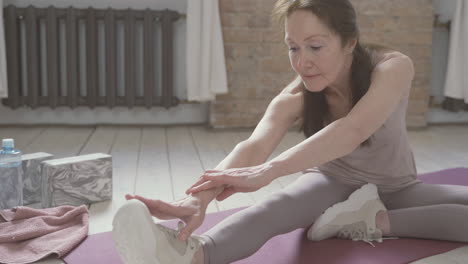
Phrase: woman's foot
x=140 y=241
x=199 y=257
x=354 y=218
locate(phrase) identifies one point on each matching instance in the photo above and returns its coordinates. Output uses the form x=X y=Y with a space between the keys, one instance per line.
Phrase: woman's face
x=315 y=52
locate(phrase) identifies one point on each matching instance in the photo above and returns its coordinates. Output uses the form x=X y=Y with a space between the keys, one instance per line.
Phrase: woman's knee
x=458 y=213
x=275 y=203
x=301 y=208
x=455 y=194
x=427 y=194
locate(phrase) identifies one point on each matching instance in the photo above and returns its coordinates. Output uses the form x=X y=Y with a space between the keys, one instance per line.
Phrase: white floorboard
x=23 y=135
x=124 y=160
x=60 y=141
x=101 y=141
x=153 y=173
x=227 y=140
x=162 y=162
x=208 y=150
x=184 y=161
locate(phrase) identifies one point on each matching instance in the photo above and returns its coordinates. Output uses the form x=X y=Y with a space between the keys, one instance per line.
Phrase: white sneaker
x=139 y=240
x=352 y=219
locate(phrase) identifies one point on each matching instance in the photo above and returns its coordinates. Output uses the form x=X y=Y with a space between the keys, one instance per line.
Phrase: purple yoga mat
x=294 y=248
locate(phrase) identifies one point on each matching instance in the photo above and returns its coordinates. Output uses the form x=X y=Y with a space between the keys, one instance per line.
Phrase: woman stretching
x=359 y=178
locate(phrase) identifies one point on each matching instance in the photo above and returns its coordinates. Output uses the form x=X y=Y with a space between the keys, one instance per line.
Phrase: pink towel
x=28 y=235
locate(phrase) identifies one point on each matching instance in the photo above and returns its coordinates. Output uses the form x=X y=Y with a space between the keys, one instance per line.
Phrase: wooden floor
x=161 y=162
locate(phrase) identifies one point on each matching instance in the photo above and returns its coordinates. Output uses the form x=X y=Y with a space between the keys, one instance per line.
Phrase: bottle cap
x=8 y=143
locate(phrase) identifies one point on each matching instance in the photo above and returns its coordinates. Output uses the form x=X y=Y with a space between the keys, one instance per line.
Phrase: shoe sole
x=133 y=234
x=355 y=202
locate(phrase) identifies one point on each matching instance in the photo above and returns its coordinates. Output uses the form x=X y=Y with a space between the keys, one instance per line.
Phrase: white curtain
x=3 y=69
x=456 y=83
x=206 y=66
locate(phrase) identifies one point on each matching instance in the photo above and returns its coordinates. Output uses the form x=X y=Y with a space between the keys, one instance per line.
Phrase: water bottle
x=11 y=175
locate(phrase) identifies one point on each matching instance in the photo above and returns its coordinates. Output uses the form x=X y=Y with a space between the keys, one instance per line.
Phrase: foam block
x=11 y=191
x=77 y=180
x=294 y=248
x=32 y=176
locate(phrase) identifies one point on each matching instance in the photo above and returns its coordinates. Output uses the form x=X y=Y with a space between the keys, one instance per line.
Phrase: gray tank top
x=388 y=162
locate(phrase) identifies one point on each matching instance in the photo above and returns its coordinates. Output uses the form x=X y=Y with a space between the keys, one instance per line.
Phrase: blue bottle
x=11 y=175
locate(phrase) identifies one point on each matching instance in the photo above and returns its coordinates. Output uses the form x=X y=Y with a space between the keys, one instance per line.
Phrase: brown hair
x=340 y=17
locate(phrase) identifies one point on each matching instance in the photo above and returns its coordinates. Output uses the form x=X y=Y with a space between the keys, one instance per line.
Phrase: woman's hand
x=190 y=209
x=247 y=179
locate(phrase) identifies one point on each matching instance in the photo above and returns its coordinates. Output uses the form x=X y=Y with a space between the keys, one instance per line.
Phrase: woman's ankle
x=382 y=222
x=198 y=257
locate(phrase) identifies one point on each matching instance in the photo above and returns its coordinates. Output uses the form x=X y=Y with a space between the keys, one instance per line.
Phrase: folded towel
x=28 y=235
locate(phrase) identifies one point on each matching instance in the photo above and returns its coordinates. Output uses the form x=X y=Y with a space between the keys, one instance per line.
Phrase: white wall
x=440 y=46
x=445 y=8
x=189 y=113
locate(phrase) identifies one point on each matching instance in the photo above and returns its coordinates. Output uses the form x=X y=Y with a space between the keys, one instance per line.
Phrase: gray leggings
x=442 y=208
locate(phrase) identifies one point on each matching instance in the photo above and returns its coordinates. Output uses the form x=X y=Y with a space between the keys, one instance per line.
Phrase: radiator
x=89 y=57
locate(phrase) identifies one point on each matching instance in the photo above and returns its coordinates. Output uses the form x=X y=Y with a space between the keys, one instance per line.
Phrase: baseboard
x=440 y=116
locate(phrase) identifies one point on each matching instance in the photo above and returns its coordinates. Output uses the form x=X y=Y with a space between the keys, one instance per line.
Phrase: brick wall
x=258 y=65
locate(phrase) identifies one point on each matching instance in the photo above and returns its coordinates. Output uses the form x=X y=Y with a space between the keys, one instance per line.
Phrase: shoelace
x=357 y=234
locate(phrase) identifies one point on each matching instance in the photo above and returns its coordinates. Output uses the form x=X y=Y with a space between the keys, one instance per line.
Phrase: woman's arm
x=391 y=81
x=280 y=115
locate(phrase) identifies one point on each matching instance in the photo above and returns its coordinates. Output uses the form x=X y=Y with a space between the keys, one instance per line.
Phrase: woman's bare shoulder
x=394 y=63
x=382 y=53
x=386 y=55
x=295 y=88
x=292 y=97
x=289 y=101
